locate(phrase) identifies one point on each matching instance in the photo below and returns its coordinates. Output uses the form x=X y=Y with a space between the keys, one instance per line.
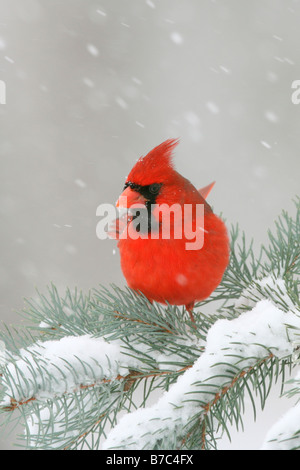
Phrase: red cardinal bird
x=164 y=269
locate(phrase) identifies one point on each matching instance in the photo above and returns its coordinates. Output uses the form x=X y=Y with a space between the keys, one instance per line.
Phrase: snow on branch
x=285 y=434
x=233 y=349
x=52 y=368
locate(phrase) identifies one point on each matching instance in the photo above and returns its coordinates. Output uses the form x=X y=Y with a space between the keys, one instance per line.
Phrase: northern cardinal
x=163 y=269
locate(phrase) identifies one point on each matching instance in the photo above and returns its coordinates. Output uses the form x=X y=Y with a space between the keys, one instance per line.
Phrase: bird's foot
x=189 y=308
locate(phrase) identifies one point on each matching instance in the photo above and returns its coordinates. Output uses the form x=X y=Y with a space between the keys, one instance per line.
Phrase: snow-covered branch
x=285 y=434
x=232 y=346
x=52 y=368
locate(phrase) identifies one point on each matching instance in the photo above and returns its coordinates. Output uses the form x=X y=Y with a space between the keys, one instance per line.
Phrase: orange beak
x=130 y=198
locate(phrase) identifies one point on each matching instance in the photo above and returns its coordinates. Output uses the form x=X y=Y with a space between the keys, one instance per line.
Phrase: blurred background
x=91 y=85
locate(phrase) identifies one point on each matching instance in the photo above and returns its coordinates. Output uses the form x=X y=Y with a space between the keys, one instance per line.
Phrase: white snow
x=272 y=77
x=250 y=336
x=277 y=37
x=150 y=4
x=284 y=59
x=279 y=436
x=39 y=422
x=71 y=249
x=2 y=44
x=192 y=118
x=181 y=279
x=88 y=82
x=68 y=311
x=136 y=80
x=121 y=102
x=265 y=144
x=285 y=433
x=101 y=12
x=262 y=288
x=289 y=61
x=44 y=88
x=93 y=50
x=271 y=116
x=2 y=353
x=176 y=37
x=279 y=59
x=212 y=107
x=9 y=59
x=194 y=125
x=225 y=69
x=80 y=183
x=52 y=368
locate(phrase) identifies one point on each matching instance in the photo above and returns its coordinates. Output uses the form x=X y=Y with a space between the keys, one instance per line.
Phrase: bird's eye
x=154 y=188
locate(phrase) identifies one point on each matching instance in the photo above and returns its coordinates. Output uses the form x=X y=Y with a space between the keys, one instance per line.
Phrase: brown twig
x=15 y=404
x=293 y=263
x=128 y=379
x=218 y=396
x=225 y=389
x=124 y=317
x=86 y=432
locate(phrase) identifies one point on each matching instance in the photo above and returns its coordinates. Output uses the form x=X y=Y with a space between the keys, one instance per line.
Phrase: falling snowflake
x=265 y=144
x=150 y=4
x=2 y=44
x=122 y=103
x=80 y=183
x=271 y=117
x=212 y=107
x=176 y=38
x=93 y=50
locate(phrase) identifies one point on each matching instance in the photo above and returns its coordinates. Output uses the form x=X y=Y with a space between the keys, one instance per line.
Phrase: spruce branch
x=232 y=354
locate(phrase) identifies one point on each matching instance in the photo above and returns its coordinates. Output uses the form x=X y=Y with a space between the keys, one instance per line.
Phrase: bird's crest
x=155 y=166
